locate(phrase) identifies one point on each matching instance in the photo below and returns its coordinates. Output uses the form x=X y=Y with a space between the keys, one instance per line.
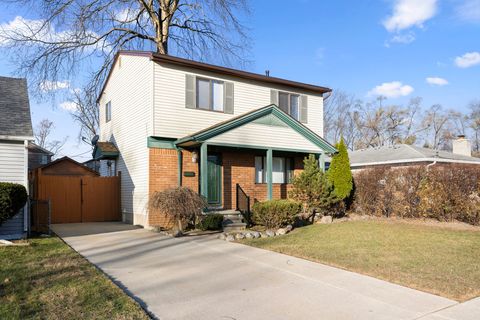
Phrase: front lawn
x=438 y=260
x=48 y=280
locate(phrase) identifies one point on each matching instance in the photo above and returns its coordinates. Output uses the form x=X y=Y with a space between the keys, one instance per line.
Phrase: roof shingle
x=15 y=119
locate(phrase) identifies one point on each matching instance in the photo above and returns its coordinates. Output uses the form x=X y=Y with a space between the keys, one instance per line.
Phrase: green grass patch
x=438 y=260
x=48 y=280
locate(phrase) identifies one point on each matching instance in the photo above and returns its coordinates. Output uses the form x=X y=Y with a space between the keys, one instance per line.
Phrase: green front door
x=214 y=180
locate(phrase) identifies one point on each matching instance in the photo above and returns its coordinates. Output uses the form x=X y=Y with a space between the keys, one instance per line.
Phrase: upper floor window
x=108 y=111
x=289 y=103
x=210 y=94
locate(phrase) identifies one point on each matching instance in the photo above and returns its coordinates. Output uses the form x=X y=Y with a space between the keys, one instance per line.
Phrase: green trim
x=269 y=174
x=254 y=115
x=246 y=146
x=270 y=120
x=179 y=164
x=99 y=155
x=203 y=170
x=161 y=143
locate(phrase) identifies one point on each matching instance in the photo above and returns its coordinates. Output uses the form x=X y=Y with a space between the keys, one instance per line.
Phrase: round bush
x=13 y=197
x=274 y=214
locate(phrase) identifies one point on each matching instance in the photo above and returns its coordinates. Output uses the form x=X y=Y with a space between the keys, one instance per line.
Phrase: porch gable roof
x=225 y=126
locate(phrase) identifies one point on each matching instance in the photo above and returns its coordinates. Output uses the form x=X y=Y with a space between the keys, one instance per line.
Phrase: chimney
x=267 y=73
x=462 y=146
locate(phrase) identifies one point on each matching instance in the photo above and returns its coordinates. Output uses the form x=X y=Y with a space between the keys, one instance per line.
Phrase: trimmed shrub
x=339 y=173
x=211 y=221
x=180 y=204
x=442 y=192
x=13 y=197
x=274 y=214
x=312 y=189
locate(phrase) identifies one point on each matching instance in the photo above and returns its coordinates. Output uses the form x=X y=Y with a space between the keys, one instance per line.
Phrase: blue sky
x=366 y=48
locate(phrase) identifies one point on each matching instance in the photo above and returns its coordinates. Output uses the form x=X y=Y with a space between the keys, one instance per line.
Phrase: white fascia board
x=378 y=163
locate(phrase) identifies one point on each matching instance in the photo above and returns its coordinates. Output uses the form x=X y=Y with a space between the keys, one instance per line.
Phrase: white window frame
x=210 y=94
x=289 y=101
x=108 y=111
x=289 y=166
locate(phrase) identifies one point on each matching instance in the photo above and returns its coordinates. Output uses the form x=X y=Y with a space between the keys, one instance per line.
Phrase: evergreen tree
x=312 y=189
x=339 y=173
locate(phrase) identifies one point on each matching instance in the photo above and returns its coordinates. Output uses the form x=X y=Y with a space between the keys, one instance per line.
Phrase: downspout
x=433 y=163
x=180 y=165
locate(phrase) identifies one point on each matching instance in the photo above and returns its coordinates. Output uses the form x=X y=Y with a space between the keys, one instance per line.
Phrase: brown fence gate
x=77 y=198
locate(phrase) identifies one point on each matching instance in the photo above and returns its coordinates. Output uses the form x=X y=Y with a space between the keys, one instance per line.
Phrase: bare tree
x=42 y=134
x=474 y=123
x=339 y=118
x=73 y=35
x=436 y=121
x=85 y=113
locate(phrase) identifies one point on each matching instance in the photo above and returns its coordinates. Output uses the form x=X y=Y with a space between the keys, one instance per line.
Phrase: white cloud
x=393 y=89
x=401 y=38
x=409 y=13
x=47 y=86
x=436 y=81
x=20 y=26
x=40 y=33
x=468 y=60
x=68 y=106
x=405 y=38
x=469 y=10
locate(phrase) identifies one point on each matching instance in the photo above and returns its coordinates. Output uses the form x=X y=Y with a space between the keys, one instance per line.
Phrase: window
x=210 y=94
x=282 y=170
x=108 y=111
x=289 y=103
x=44 y=159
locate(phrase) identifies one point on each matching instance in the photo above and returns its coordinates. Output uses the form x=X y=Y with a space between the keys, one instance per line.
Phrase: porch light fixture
x=194 y=156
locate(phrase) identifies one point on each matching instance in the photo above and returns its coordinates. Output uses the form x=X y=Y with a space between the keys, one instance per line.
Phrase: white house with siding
x=214 y=129
x=15 y=134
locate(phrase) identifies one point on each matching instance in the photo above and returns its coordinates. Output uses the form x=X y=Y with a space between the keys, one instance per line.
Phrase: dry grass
x=438 y=260
x=48 y=280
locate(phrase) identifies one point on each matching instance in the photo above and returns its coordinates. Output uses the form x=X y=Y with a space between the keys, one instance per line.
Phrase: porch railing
x=243 y=204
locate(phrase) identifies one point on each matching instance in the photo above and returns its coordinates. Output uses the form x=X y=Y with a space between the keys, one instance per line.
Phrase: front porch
x=249 y=158
x=229 y=174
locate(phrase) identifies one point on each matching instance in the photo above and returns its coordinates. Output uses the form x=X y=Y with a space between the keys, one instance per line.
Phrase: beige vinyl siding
x=253 y=134
x=13 y=168
x=130 y=92
x=173 y=119
x=12 y=162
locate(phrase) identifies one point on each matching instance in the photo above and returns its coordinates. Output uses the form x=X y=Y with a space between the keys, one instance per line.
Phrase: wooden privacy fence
x=40 y=216
x=76 y=199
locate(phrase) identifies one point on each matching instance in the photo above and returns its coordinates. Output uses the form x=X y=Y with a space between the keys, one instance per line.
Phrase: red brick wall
x=237 y=167
x=163 y=174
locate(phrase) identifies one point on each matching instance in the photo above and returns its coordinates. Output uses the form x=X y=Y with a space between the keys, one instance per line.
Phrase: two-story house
x=177 y=122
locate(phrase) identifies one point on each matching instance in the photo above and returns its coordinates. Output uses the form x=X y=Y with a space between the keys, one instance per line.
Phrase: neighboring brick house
x=177 y=122
x=403 y=155
x=15 y=134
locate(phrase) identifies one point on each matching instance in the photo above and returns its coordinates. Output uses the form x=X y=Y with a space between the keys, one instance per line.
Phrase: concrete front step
x=233 y=227
x=226 y=212
x=232 y=220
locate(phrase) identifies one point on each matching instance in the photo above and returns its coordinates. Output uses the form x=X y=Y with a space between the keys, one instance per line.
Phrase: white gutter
x=434 y=160
x=17 y=138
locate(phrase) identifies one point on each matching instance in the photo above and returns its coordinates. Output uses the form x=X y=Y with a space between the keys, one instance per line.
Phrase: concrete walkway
x=200 y=277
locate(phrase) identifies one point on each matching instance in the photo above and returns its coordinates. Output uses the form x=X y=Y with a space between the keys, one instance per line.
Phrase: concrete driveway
x=200 y=277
